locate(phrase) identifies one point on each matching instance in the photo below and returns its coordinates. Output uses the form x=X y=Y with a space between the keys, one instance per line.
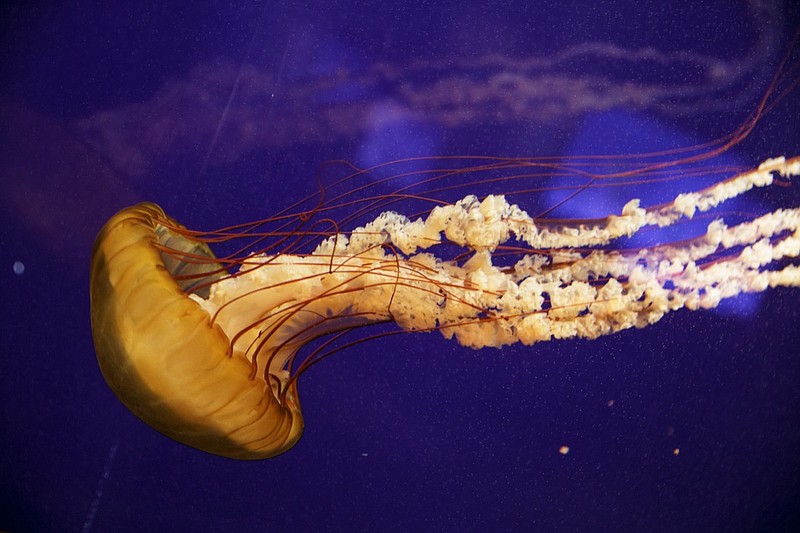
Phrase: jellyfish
x=207 y=349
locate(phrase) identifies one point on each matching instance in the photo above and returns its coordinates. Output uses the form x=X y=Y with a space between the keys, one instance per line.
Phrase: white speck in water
x=19 y=268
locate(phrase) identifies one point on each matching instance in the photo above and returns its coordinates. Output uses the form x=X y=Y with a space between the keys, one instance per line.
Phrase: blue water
x=225 y=113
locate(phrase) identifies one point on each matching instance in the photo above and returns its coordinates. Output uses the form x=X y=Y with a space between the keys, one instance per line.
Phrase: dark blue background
x=102 y=106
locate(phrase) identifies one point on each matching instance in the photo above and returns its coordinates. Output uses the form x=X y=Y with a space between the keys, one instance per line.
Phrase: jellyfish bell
x=206 y=349
x=161 y=354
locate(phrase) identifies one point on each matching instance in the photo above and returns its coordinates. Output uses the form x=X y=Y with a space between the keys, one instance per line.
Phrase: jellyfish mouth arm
x=275 y=304
x=572 y=291
x=687 y=204
x=486 y=224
